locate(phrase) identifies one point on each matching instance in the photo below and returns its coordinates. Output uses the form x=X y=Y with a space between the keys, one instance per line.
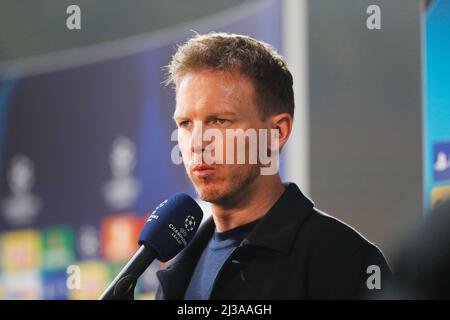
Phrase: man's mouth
x=203 y=171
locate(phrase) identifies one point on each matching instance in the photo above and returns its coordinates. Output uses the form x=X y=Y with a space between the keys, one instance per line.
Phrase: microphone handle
x=122 y=287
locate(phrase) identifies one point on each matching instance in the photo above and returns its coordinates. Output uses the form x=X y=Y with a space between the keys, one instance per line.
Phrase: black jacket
x=294 y=252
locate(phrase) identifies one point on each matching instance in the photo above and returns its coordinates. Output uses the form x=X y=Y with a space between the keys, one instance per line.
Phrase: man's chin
x=209 y=193
x=208 y=190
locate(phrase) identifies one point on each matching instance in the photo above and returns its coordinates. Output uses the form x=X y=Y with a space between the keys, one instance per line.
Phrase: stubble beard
x=225 y=191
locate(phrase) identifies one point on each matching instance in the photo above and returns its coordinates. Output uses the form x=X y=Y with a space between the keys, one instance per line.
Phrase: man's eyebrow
x=210 y=115
x=177 y=116
x=221 y=114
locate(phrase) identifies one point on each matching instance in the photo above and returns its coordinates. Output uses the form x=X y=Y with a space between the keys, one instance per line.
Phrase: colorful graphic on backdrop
x=436 y=100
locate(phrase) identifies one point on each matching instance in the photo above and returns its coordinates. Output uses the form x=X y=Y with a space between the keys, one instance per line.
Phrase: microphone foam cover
x=171 y=226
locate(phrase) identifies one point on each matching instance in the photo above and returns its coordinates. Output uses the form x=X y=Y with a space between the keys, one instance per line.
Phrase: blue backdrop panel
x=83 y=145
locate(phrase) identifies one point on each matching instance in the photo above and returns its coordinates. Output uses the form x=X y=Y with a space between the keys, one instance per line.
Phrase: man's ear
x=283 y=122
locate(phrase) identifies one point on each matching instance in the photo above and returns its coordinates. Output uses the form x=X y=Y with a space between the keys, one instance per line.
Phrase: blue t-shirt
x=219 y=248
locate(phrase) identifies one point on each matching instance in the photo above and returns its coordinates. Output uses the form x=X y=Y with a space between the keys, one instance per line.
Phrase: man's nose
x=197 y=144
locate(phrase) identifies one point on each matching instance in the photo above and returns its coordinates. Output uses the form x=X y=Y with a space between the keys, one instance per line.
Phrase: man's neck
x=252 y=204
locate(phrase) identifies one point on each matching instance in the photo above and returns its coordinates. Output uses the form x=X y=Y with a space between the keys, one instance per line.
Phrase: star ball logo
x=189 y=223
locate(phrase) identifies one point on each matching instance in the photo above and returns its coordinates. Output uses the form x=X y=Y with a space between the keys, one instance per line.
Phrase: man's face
x=216 y=100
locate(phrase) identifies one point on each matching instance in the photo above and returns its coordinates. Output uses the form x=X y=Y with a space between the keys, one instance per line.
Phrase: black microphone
x=168 y=230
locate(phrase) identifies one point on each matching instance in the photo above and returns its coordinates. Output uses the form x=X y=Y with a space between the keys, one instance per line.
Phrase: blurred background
x=85 y=124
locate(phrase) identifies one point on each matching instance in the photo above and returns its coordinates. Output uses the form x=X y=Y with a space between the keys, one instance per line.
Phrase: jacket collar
x=278 y=228
x=276 y=231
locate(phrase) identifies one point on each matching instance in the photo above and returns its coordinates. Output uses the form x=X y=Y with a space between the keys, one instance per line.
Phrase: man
x=265 y=239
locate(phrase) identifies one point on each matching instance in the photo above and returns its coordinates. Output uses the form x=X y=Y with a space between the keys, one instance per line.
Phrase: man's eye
x=220 y=122
x=184 y=124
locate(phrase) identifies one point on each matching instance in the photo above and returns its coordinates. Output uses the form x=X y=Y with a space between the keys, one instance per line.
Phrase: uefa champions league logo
x=179 y=234
x=21 y=207
x=189 y=223
x=123 y=189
